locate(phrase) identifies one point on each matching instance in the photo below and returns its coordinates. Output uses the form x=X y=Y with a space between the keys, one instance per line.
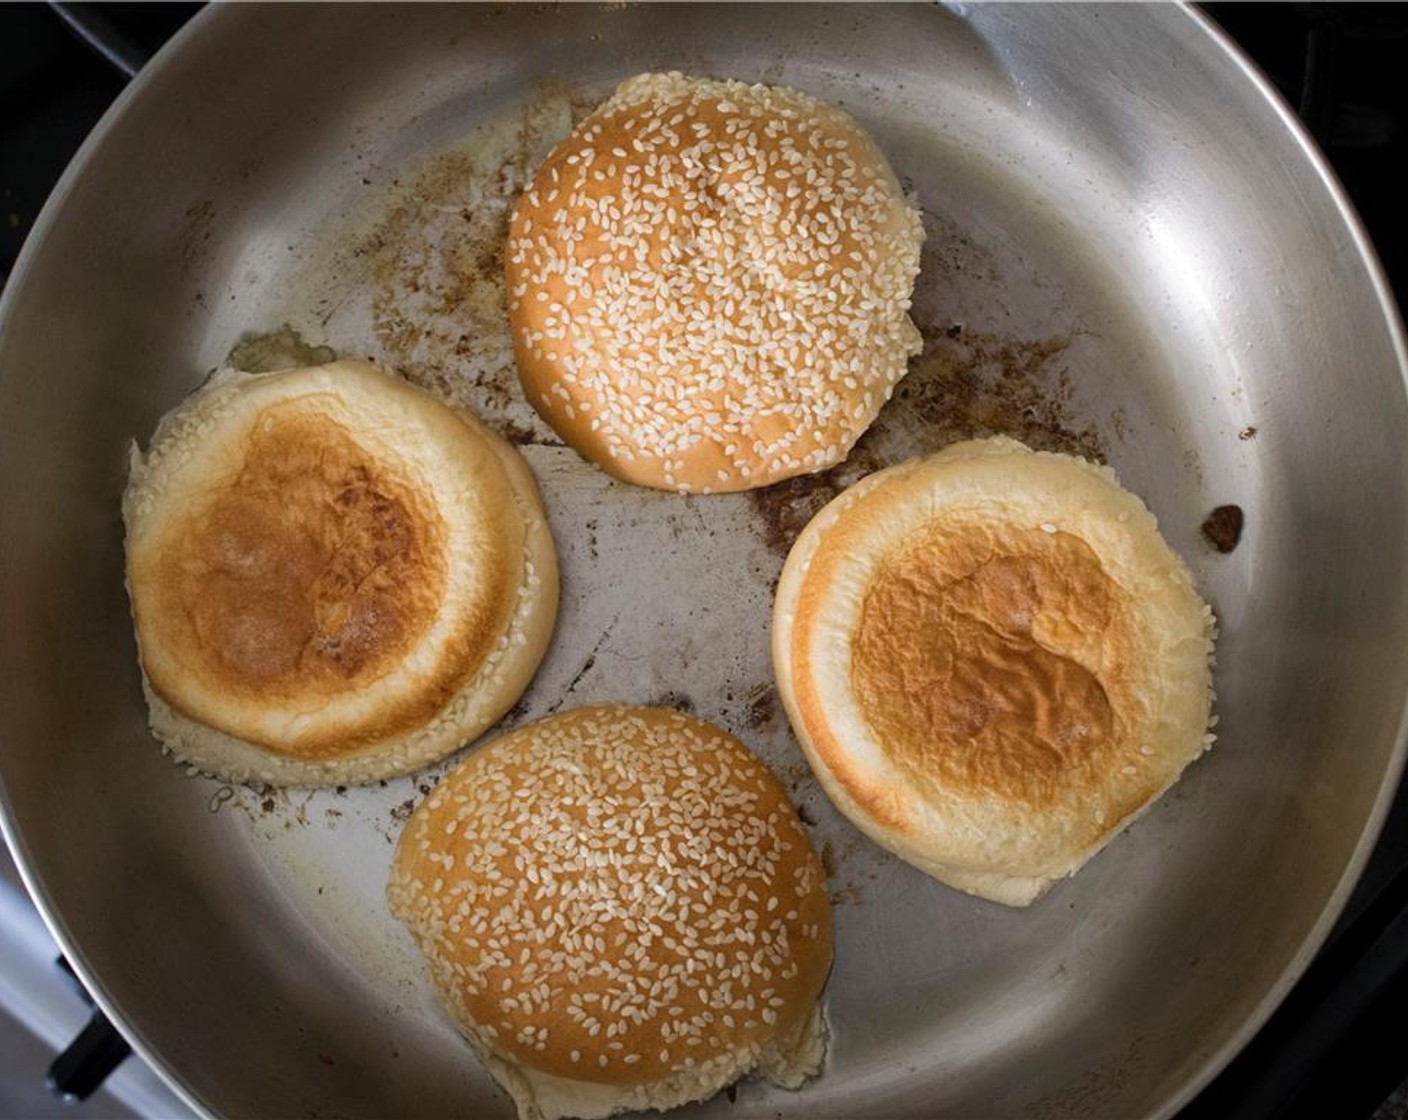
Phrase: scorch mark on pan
x=586 y=667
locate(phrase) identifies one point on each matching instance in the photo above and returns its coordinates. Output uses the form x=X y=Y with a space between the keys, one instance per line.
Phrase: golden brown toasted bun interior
x=334 y=577
x=993 y=662
x=620 y=908
x=709 y=284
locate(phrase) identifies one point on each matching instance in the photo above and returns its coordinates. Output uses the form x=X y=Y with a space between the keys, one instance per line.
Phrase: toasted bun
x=334 y=577
x=709 y=284
x=620 y=909
x=993 y=662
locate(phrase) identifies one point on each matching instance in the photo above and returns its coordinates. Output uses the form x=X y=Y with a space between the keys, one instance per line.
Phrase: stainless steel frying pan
x=1132 y=250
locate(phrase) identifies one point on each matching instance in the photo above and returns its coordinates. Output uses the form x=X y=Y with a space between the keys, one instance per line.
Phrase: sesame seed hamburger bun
x=621 y=910
x=334 y=577
x=993 y=662
x=709 y=284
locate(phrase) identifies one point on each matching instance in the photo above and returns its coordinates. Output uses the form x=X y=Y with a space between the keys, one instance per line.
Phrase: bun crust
x=334 y=577
x=619 y=898
x=709 y=284
x=993 y=662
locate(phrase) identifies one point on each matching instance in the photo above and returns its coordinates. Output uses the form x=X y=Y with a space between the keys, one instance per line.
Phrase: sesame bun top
x=993 y=662
x=619 y=897
x=709 y=284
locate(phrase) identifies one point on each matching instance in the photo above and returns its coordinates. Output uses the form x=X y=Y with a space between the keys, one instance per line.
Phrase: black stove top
x=1344 y=68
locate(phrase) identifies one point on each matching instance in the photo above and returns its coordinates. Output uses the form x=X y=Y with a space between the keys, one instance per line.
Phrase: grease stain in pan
x=284 y=348
x=426 y=295
x=964 y=385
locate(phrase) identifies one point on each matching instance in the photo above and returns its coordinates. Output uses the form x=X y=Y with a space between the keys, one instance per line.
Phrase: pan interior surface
x=1129 y=255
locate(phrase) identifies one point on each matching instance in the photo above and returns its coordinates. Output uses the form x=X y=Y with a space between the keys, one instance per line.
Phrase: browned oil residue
x=432 y=266
x=438 y=300
x=259 y=801
x=797 y=773
x=850 y=892
x=1093 y=1089
x=200 y=218
x=1223 y=527
x=762 y=708
x=968 y=384
x=518 y=433
x=676 y=700
x=849 y=895
x=1249 y=432
x=516 y=714
x=964 y=385
x=784 y=508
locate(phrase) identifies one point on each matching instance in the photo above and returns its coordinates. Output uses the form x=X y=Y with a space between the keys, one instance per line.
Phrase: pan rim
x=30 y=251
x=1215 y=1062
x=214 y=17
